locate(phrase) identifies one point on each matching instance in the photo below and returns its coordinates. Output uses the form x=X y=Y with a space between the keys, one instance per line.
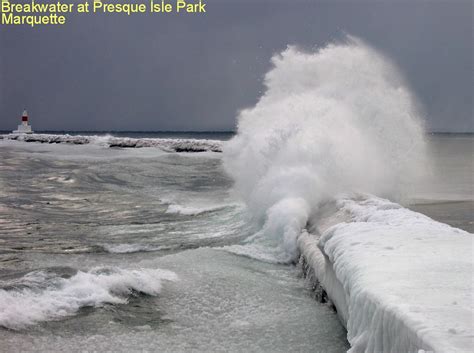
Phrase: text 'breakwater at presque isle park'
x=38 y=13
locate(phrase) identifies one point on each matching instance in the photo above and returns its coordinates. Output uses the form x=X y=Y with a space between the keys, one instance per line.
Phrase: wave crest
x=41 y=296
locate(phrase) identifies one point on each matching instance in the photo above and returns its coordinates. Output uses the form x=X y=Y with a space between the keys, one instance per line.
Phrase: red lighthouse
x=24 y=128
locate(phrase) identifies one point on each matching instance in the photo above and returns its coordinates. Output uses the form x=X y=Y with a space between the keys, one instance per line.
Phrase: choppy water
x=87 y=231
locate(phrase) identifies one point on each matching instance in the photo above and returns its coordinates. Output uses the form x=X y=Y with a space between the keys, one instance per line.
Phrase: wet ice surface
x=83 y=221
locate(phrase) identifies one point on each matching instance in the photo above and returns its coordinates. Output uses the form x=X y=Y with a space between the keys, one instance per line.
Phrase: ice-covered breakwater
x=341 y=120
x=168 y=145
x=49 y=138
x=401 y=282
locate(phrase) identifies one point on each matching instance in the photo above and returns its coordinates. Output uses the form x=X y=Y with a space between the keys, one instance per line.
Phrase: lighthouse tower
x=24 y=128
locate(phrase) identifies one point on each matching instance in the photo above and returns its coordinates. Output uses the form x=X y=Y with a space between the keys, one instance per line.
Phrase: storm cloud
x=195 y=72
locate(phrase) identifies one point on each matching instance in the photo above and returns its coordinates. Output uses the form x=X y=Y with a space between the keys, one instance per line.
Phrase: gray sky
x=168 y=72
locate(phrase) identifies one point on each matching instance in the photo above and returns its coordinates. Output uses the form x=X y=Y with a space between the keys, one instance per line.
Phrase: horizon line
x=194 y=131
x=136 y=131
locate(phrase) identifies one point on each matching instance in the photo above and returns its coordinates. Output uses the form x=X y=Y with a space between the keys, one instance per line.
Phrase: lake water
x=106 y=249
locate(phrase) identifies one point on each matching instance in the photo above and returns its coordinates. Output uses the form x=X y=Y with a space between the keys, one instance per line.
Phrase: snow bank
x=168 y=145
x=400 y=281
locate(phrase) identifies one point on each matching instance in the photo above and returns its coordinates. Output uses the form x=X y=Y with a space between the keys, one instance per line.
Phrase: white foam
x=48 y=298
x=131 y=248
x=62 y=179
x=192 y=211
x=275 y=242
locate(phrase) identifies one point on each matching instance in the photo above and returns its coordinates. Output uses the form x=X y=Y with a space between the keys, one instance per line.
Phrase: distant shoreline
x=103 y=132
x=126 y=131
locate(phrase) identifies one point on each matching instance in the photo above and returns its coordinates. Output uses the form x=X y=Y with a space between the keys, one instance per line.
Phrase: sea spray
x=340 y=119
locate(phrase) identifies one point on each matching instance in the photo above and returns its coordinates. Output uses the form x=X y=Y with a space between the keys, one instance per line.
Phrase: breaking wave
x=42 y=295
x=340 y=119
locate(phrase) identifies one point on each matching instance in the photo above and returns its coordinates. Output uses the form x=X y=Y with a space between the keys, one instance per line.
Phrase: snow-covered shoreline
x=168 y=145
x=400 y=281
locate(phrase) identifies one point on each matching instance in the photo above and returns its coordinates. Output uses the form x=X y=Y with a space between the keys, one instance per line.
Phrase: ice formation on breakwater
x=168 y=145
x=401 y=282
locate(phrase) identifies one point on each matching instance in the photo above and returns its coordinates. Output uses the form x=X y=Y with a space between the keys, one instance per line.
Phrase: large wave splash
x=340 y=119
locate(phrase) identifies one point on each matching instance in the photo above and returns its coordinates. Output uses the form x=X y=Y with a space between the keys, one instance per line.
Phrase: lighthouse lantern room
x=24 y=128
